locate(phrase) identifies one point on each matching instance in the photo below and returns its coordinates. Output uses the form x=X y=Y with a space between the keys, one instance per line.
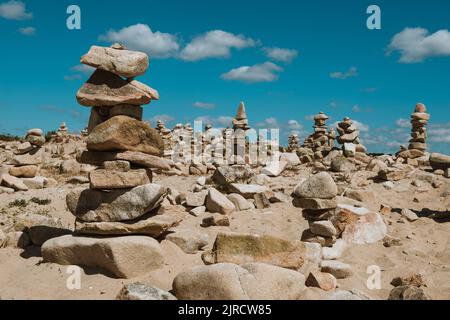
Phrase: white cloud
x=352 y=72
x=333 y=104
x=294 y=125
x=362 y=127
x=214 y=44
x=14 y=10
x=28 y=31
x=264 y=72
x=416 y=44
x=279 y=54
x=269 y=123
x=309 y=117
x=141 y=37
x=356 y=108
x=204 y=105
x=439 y=132
x=403 y=123
x=163 y=117
x=83 y=68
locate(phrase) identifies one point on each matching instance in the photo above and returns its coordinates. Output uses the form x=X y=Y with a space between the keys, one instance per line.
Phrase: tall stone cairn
x=419 y=120
x=123 y=147
x=293 y=143
x=349 y=138
x=322 y=140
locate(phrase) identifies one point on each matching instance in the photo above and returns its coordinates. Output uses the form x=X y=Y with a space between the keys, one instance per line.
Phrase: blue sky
x=286 y=59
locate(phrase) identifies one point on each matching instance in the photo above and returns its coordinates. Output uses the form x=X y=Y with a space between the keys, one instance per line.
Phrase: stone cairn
x=316 y=195
x=349 y=138
x=166 y=136
x=240 y=127
x=321 y=141
x=121 y=195
x=293 y=143
x=419 y=120
x=21 y=176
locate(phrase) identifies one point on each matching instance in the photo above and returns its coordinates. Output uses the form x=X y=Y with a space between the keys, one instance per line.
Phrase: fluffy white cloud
x=204 y=105
x=214 y=44
x=28 y=31
x=403 y=123
x=264 y=72
x=83 y=68
x=439 y=132
x=352 y=72
x=294 y=125
x=416 y=44
x=362 y=127
x=140 y=37
x=14 y=10
x=73 y=77
x=279 y=54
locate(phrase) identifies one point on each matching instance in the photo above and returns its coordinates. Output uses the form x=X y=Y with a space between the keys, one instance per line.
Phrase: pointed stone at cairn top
x=241 y=113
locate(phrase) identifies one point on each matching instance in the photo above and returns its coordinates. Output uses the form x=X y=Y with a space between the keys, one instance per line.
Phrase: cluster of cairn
x=124 y=148
x=293 y=143
x=322 y=140
x=349 y=138
x=25 y=165
x=316 y=195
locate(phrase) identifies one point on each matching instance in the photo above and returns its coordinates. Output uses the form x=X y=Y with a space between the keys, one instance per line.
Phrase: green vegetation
x=9 y=137
x=41 y=202
x=21 y=203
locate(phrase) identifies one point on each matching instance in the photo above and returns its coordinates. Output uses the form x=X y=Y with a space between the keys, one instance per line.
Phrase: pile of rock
x=316 y=195
x=121 y=197
x=241 y=121
x=21 y=173
x=349 y=138
x=293 y=143
x=322 y=140
x=419 y=120
x=166 y=136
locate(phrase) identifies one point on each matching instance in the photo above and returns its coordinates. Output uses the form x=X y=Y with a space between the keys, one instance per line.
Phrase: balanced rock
x=125 y=63
x=137 y=158
x=107 y=89
x=124 y=257
x=107 y=179
x=114 y=206
x=122 y=133
x=320 y=186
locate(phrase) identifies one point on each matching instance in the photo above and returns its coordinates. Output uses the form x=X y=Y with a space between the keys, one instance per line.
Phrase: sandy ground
x=425 y=244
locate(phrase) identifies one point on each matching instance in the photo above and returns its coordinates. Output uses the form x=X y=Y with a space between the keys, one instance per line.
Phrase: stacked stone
x=316 y=195
x=240 y=126
x=241 y=121
x=125 y=148
x=321 y=141
x=22 y=174
x=349 y=138
x=293 y=143
x=419 y=120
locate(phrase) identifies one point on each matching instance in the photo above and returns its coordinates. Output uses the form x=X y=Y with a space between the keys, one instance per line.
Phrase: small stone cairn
x=349 y=138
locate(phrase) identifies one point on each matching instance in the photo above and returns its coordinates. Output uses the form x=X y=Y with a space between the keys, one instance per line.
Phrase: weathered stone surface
x=416 y=279
x=117 y=165
x=107 y=89
x=274 y=168
x=27 y=159
x=260 y=179
x=24 y=171
x=248 y=191
x=240 y=202
x=338 y=269
x=125 y=133
x=291 y=158
x=225 y=175
x=391 y=174
x=261 y=201
x=408 y=293
x=342 y=164
x=125 y=257
x=35 y=132
x=3 y=239
x=71 y=167
x=320 y=186
x=314 y=204
x=252 y=281
x=149 y=225
x=140 y=291
x=128 y=110
x=134 y=157
x=18 y=239
x=322 y=280
x=365 y=196
x=125 y=63
x=24 y=148
x=324 y=228
x=198 y=211
x=375 y=165
x=106 y=179
x=217 y=202
x=359 y=225
x=196 y=199
x=113 y=206
x=36 y=140
x=241 y=248
x=188 y=240
x=334 y=252
x=13 y=182
x=439 y=161
x=215 y=219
